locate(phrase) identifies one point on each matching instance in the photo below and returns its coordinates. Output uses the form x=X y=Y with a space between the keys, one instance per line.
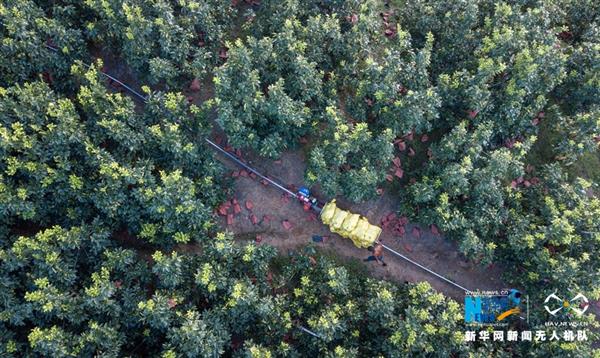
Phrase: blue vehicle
x=303 y=192
x=304 y=196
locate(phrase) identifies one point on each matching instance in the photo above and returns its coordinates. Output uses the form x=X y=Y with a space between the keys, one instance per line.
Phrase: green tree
x=265 y=90
x=554 y=234
x=164 y=41
x=385 y=84
x=349 y=159
x=25 y=32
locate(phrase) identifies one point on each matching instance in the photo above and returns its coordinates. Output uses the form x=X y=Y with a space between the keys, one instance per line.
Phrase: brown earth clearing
x=434 y=252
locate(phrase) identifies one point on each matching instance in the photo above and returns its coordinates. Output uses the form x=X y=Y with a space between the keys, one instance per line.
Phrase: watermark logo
x=492 y=307
x=554 y=304
x=487 y=309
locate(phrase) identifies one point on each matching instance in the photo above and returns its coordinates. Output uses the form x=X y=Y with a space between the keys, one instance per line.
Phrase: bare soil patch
x=434 y=252
x=430 y=250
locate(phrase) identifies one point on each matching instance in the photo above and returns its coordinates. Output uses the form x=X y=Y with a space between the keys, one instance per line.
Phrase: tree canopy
x=479 y=117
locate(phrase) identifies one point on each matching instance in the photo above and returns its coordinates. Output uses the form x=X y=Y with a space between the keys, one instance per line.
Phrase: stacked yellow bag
x=327 y=212
x=338 y=220
x=348 y=225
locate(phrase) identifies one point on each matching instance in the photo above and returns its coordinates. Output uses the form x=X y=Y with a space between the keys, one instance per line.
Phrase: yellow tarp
x=348 y=225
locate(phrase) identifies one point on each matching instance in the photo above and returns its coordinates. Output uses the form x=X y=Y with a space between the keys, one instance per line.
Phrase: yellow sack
x=360 y=229
x=372 y=234
x=327 y=212
x=338 y=219
x=348 y=225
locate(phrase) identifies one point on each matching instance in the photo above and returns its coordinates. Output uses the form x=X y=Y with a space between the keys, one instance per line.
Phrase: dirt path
x=431 y=251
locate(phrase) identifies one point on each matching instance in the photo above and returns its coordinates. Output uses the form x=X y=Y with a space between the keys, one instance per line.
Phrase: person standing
x=377 y=255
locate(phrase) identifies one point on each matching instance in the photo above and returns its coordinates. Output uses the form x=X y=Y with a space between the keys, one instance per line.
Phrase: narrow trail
x=431 y=251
